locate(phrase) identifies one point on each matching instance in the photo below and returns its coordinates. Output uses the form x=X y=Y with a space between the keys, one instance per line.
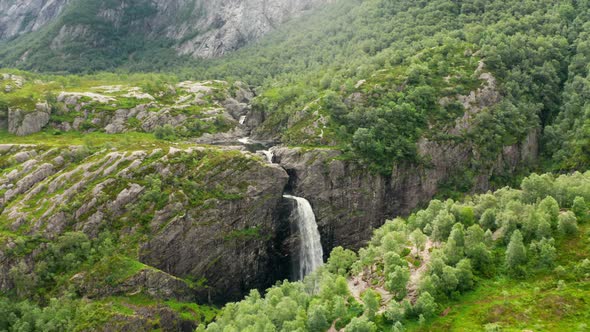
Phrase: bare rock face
x=199 y=28
x=19 y=17
x=230 y=25
x=24 y=123
x=220 y=244
x=348 y=201
x=197 y=214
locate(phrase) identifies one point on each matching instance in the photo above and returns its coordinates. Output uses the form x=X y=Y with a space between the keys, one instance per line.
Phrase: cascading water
x=268 y=154
x=310 y=251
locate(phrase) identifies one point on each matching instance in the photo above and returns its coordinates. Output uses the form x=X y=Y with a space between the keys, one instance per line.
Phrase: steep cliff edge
x=350 y=201
x=181 y=224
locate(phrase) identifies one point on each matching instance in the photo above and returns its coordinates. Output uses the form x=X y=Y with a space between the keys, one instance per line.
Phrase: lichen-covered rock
x=24 y=123
x=185 y=213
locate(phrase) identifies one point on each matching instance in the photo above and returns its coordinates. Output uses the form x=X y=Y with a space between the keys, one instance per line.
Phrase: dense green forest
x=409 y=54
x=493 y=247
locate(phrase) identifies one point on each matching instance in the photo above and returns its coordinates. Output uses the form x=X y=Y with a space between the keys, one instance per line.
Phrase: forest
x=415 y=267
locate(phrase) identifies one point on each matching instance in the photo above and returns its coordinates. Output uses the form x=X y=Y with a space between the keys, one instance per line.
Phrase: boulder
x=23 y=123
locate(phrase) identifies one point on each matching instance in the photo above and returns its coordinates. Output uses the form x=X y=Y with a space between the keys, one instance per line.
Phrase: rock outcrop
x=189 y=108
x=350 y=202
x=20 y=17
x=201 y=215
x=24 y=123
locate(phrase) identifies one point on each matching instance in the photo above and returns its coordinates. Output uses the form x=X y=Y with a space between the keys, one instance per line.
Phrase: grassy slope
x=536 y=303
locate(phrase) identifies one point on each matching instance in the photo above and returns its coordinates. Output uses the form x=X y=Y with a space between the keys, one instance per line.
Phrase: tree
x=458 y=234
x=580 y=209
x=316 y=318
x=397 y=281
x=360 y=324
x=536 y=186
x=395 y=312
x=464 y=275
x=442 y=225
x=449 y=280
x=488 y=238
x=453 y=252
x=425 y=305
x=516 y=255
x=543 y=228
x=567 y=223
x=488 y=219
x=391 y=260
x=371 y=301
x=480 y=257
x=341 y=260
x=543 y=253
x=339 y=309
x=550 y=208
x=473 y=236
x=419 y=240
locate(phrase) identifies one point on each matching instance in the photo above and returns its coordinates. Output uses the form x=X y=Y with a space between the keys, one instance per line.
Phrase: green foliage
x=360 y=324
x=568 y=224
x=340 y=260
x=356 y=80
x=425 y=305
x=516 y=256
x=456 y=266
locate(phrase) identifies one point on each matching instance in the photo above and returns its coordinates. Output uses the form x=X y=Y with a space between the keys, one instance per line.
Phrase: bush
x=166 y=132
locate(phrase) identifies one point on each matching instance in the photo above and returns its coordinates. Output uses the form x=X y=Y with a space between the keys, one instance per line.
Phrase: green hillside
x=129 y=200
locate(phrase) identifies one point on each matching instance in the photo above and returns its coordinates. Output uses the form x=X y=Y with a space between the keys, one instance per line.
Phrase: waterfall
x=268 y=154
x=242 y=119
x=310 y=251
x=244 y=140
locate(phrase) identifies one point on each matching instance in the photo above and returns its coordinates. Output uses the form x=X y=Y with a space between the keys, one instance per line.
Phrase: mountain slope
x=86 y=35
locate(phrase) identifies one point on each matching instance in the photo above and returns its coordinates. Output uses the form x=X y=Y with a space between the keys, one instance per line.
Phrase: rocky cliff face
x=350 y=201
x=21 y=17
x=196 y=27
x=188 y=224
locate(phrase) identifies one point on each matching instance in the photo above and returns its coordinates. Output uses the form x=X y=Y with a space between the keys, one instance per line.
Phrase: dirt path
x=357 y=284
x=416 y=273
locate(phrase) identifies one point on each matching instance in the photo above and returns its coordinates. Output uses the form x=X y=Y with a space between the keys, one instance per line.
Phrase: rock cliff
x=21 y=17
x=187 y=224
x=350 y=201
x=195 y=27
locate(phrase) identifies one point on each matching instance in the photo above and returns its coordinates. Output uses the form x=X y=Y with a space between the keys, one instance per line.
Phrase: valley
x=309 y=165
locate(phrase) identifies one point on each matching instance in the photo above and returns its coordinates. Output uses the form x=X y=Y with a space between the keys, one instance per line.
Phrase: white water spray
x=244 y=140
x=268 y=154
x=310 y=251
x=242 y=119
